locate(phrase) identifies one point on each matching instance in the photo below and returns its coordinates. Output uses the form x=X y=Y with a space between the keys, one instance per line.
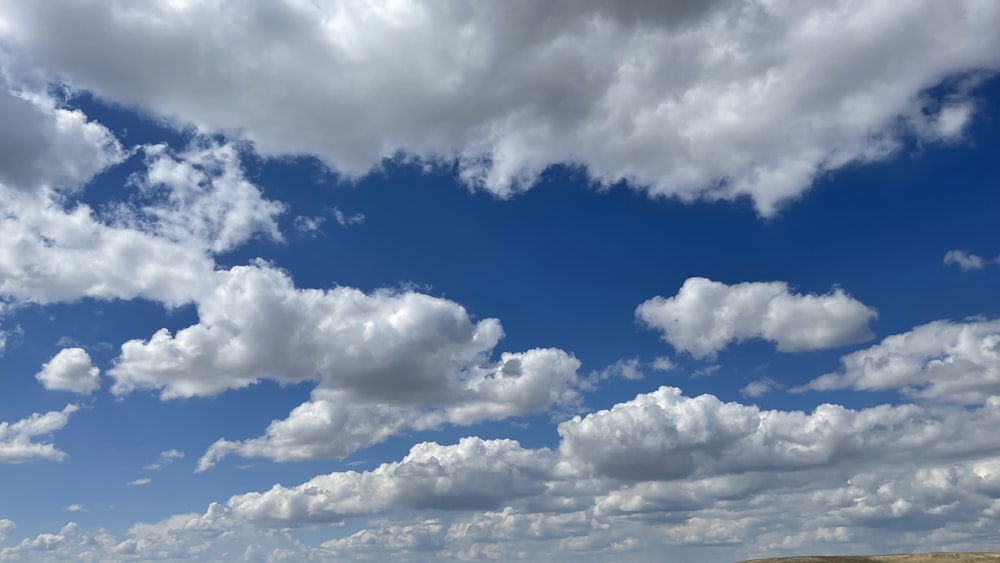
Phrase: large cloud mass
x=712 y=100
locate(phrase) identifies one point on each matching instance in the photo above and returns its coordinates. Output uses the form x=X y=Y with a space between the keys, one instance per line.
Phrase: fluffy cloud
x=940 y=361
x=388 y=346
x=334 y=424
x=664 y=435
x=706 y=316
x=55 y=249
x=876 y=479
x=18 y=439
x=473 y=474
x=751 y=100
x=6 y=526
x=382 y=362
x=201 y=197
x=70 y=370
x=56 y=255
x=45 y=145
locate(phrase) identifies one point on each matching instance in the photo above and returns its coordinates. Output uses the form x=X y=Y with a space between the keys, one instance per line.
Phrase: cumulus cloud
x=44 y=145
x=75 y=508
x=70 y=370
x=255 y=323
x=751 y=101
x=334 y=424
x=19 y=441
x=762 y=482
x=6 y=526
x=965 y=261
x=664 y=435
x=57 y=255
x=382 y=361
x=201 y=197
x=706 y=316
x=473 y=474
x=939 y=361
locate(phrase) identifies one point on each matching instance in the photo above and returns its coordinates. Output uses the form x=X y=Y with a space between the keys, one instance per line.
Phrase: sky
x=331 y=280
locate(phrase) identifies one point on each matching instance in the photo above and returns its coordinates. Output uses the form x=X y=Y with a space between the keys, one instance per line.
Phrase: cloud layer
x=750 y=100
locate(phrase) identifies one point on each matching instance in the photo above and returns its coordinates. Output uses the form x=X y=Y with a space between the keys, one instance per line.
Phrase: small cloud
x=664 y=363
x=67 y=342
x=166 y=457
x=759 y=388
x=70 y=370
x=964 y=260
x=347 y=220
x=14 y=334
x=308 y=225
x=75 y=508
x=625 y=369
x=139 y=482
x=706 y=371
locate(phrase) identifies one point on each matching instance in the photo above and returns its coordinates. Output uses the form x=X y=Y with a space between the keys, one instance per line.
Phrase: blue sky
x=341 y=281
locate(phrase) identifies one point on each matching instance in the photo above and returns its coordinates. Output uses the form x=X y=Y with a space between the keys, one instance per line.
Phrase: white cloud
x=624 y=369
x=166 y=457
x=473 y=474
x=255 y=323
x=706 y=371
x=43 y=145
x=139 y=482
x=202 y=197
x=70 y=370
x=75 y=508
x=664 y=435
x=663 y=363
x=6 y=527
x=57 y=255
x=382 y=362
x=964 y=260
x=765 y=482
x=940 y=361
x=750 y=100
x=347 y=220
x=706 y=316
x=758 y=388
x=308 y=225
x=18 y=439
x=335 y=423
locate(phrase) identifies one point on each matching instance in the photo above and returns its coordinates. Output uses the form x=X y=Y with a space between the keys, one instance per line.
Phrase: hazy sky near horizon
x=318 y=280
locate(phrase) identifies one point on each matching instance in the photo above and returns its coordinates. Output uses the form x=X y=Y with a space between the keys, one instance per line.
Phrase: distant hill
x=916 y=558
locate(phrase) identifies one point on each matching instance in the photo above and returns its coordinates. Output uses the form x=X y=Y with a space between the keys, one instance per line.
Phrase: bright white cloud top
x=70 y=370
x=273 y=229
